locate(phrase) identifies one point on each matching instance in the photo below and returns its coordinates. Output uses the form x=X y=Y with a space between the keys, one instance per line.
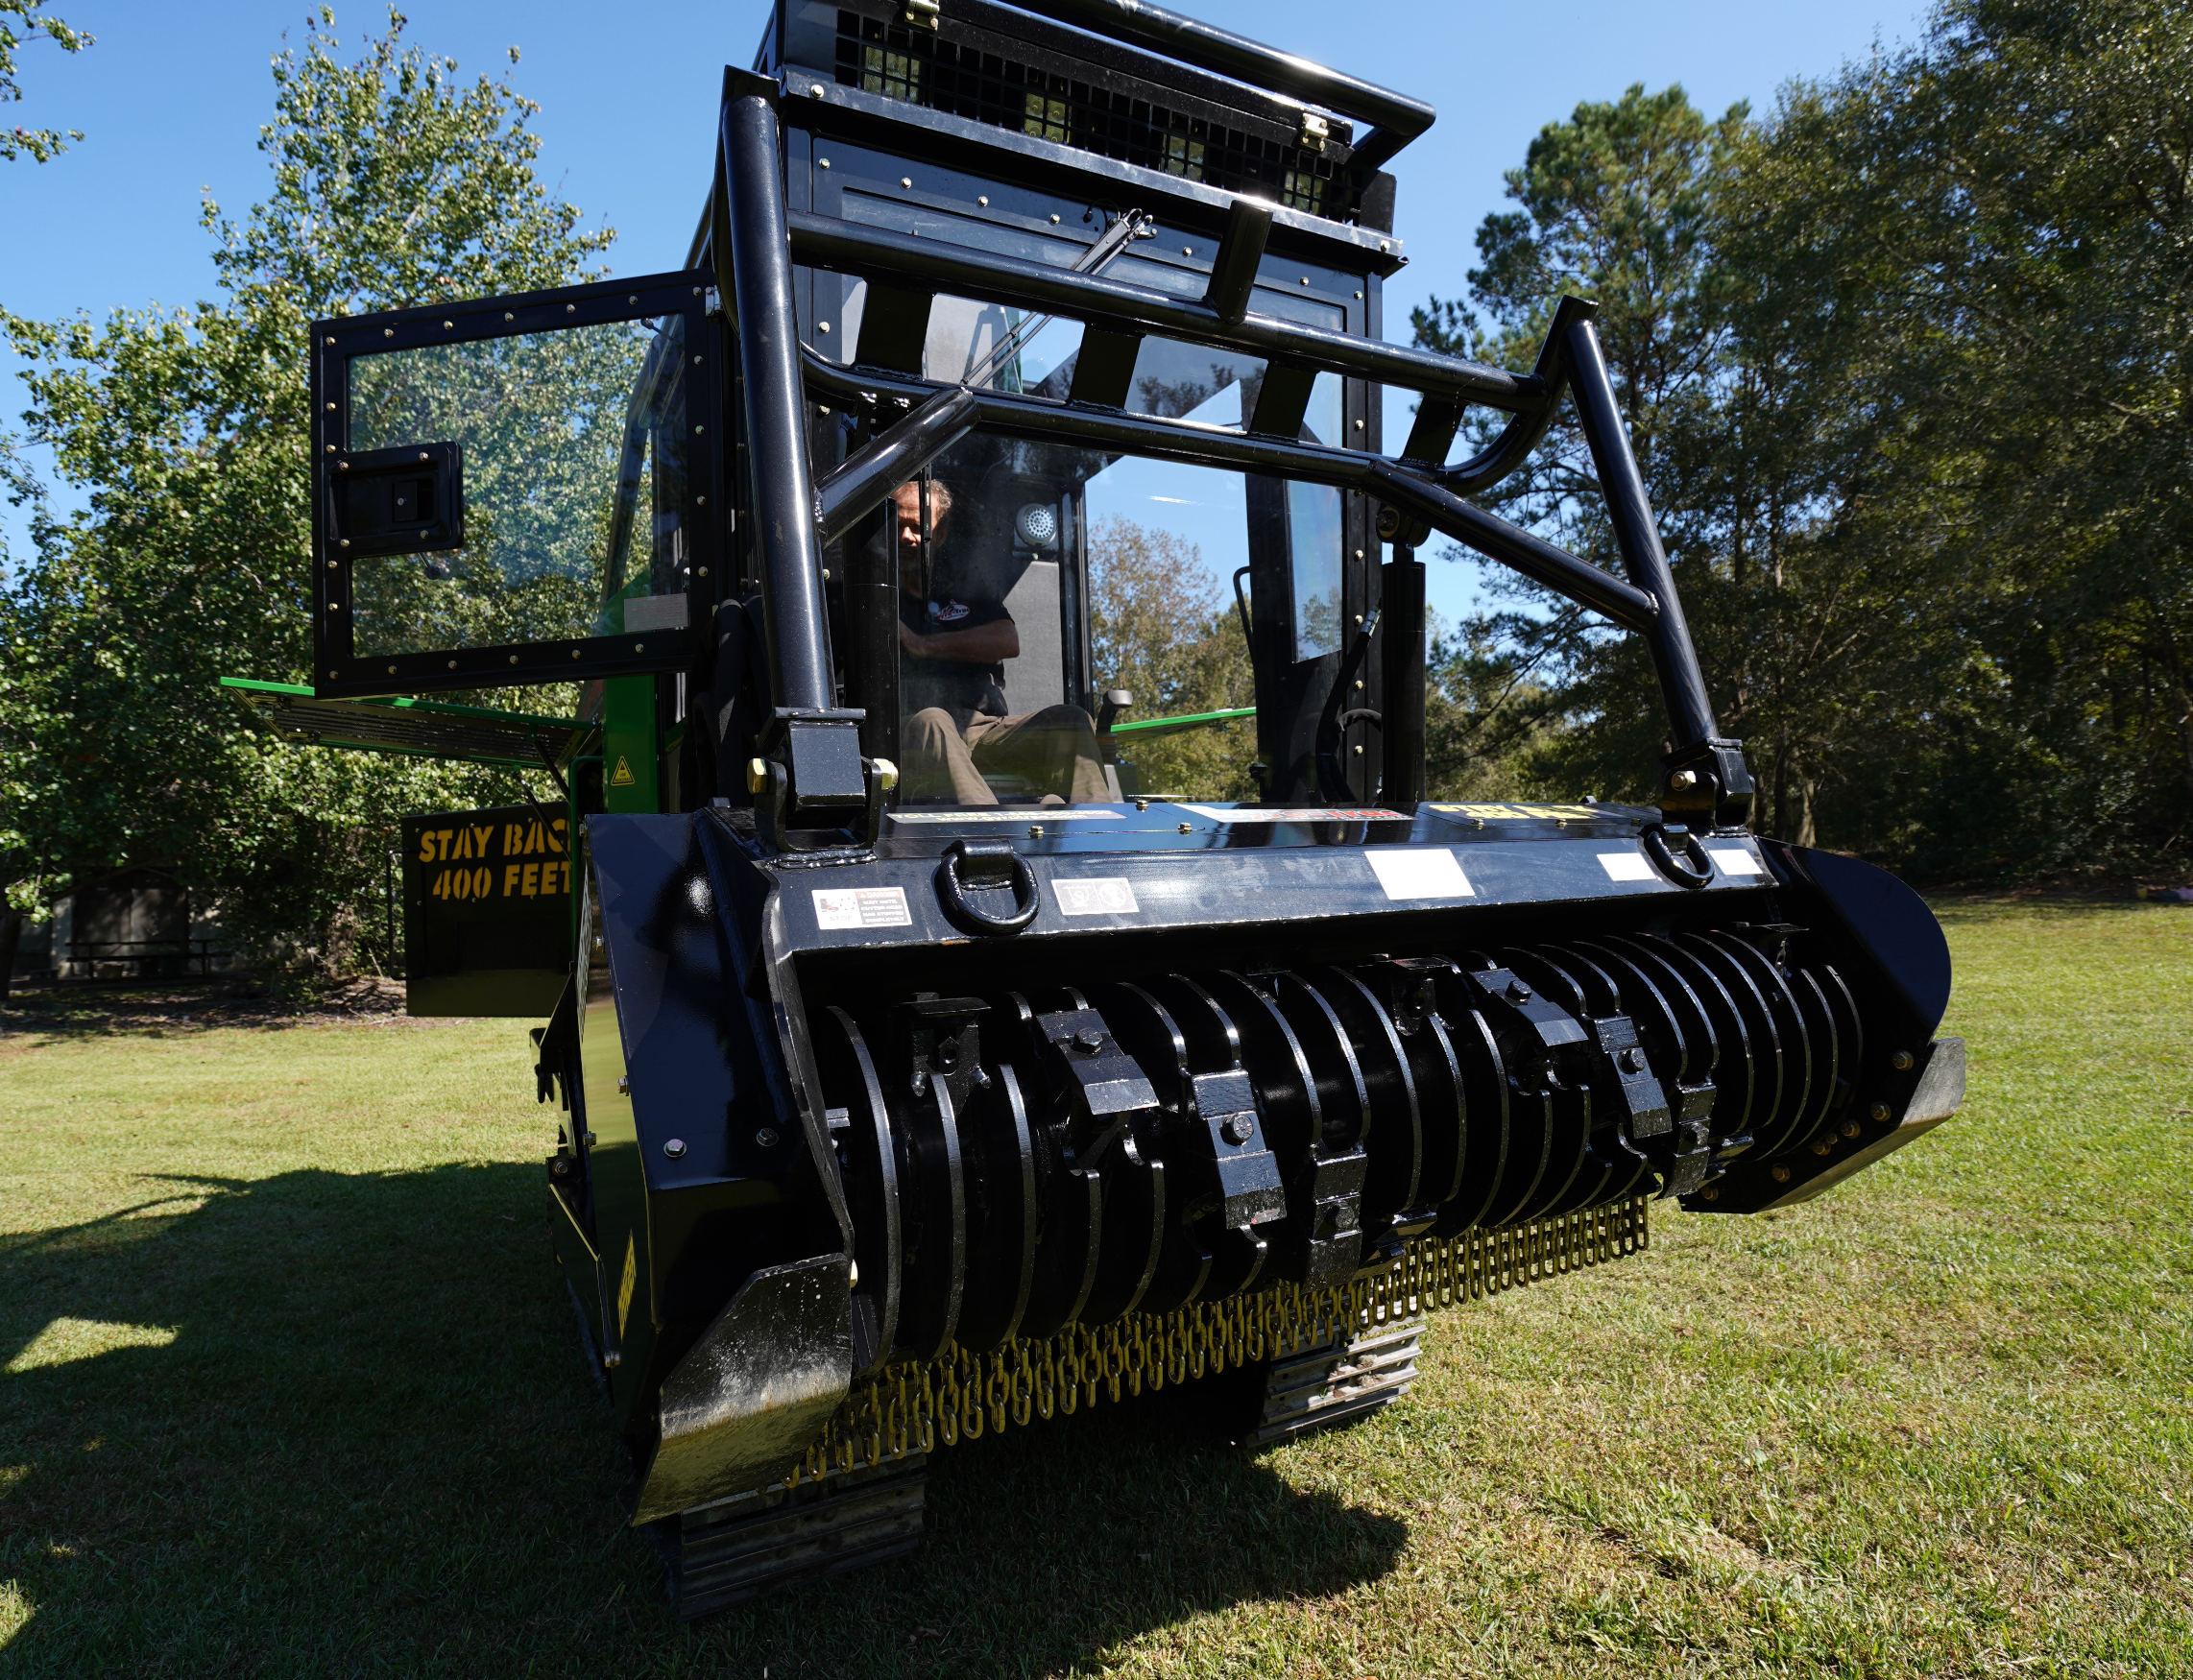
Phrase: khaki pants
x=1054 y=751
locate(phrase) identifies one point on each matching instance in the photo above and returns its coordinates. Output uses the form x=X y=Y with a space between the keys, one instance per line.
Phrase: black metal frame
x=1706 y=781
x=755 y=243
x=1100 y=301
x=993 y=1113
x=1398 y=118
x=849 y=115
x=1135 y=88
x=338 y=669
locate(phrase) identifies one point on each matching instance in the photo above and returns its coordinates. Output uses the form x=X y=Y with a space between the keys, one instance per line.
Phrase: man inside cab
x=954 y=642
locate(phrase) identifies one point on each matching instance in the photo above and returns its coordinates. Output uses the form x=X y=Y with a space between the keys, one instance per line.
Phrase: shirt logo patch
x=948 y=612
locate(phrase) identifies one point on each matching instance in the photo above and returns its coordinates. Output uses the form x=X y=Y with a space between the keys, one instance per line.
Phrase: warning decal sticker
x=837 y=907
x=1015 y=815
x=1102 y=896
x=1247 y=814
x=1529 y=813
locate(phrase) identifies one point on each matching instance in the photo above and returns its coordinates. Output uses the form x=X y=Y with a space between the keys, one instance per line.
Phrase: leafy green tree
x=395 y=183
x=1492 y=722
x=1616 y=205
x=1159 y=629
x=1899 y=365
x=23 y=21
x=1973 y=258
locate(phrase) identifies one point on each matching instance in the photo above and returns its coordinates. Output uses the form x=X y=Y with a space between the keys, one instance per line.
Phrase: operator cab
x=1234 y=588
x=1225 y=595
x=585 y=504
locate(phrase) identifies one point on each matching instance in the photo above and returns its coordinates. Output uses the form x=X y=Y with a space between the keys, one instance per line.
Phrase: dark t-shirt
x=960 y=687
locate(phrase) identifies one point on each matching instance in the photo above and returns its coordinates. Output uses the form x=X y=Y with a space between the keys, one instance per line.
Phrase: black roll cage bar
x=817 y=777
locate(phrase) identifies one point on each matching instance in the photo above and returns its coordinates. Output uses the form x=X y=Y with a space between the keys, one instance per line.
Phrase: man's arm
x=972 y=644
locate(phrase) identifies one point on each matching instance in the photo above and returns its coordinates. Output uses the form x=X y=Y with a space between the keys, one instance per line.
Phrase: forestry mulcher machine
x=925 y=1069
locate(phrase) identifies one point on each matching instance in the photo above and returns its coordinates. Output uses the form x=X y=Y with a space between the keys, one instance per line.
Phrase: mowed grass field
x=288 y=1386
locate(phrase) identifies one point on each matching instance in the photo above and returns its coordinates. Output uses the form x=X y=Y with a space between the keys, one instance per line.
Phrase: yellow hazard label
x=1524 y=813
x=624 y=1289
x=624 y=776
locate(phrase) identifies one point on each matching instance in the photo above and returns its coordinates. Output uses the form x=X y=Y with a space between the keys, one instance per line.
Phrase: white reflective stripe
x=1420 y=873
x=1732 y=860
x=1625 y=866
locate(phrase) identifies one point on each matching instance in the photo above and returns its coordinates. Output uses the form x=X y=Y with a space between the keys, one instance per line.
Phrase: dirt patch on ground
x=63 y=1010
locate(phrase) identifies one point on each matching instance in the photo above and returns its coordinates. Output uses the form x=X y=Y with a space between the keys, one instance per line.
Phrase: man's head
x=915 y=556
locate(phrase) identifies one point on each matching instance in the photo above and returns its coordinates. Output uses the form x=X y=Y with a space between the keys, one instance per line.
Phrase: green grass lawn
x=287 y=1386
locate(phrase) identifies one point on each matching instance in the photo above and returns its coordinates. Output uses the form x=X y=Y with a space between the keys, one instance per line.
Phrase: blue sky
x=172 y=97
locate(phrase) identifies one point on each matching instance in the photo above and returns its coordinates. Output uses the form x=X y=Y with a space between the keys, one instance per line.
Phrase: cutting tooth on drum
x=1231 y=1184
x=1572 y=1073
x=936 y=1055
x=1631 y=1108
x=1319 y=1162
x=1550 y=1118
x=1112 y=1119
x=1761 y=1040
x=1145 y=1030
x=1393 y=1128
x=1711 y=1011
x=1030 y=1162
x=1069 y=1187
x=1678 y=1047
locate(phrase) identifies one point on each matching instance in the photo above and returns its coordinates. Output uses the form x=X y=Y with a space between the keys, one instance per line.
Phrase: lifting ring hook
x=1687 y=867
x=991 y=857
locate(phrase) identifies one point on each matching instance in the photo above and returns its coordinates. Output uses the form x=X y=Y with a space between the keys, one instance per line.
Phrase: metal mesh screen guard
x=911 y=1407
x=927 y=67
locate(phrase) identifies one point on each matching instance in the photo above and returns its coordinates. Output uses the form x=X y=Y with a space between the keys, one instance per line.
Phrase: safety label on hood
x=1295 y=814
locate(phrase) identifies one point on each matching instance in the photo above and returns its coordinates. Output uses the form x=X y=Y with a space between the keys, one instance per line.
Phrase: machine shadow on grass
x=282 y=1422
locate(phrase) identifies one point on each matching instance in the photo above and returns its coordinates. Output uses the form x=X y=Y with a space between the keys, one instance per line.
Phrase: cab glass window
x=1036 y=579
x=573 y=447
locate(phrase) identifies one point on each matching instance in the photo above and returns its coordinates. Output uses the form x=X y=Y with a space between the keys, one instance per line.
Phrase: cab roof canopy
x=1175 y=106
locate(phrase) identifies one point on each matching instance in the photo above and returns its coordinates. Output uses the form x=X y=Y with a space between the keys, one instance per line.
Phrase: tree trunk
x=10 y=936
x=2175 y=664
